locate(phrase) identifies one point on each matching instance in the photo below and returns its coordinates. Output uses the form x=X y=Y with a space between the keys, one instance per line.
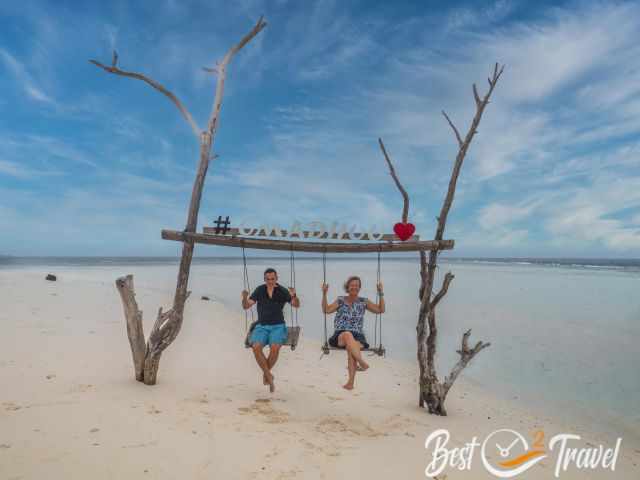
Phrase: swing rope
x=378 y=322
x=292 y=281
x=247 y=287
x=324 y=281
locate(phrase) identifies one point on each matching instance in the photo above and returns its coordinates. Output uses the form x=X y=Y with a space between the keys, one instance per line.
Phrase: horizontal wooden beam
x=255 y=232
x=301 y=246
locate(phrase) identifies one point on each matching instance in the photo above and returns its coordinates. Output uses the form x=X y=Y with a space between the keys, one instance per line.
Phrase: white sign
x=315 y=229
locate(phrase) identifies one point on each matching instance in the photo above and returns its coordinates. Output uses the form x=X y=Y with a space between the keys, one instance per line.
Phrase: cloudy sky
x=94 y=164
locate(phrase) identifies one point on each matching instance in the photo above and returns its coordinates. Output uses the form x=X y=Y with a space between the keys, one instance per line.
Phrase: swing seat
x=379 y=350
x=293 y=335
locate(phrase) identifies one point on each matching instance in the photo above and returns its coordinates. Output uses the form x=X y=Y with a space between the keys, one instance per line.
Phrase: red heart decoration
x=404 y=231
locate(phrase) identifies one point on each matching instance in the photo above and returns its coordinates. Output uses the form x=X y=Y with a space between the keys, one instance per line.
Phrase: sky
x=96 y=164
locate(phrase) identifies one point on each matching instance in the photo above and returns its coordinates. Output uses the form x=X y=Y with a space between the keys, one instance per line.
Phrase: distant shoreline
x=617 y=264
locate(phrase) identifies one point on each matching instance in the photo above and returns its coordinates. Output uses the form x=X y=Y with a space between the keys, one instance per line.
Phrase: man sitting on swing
x=270 y=328
x=348 y=323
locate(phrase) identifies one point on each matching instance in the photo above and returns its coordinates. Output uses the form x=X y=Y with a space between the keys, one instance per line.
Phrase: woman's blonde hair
x=349 y=280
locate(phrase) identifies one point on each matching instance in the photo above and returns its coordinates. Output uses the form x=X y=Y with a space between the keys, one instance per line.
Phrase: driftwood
x=302 y=246
x=146 y=357
x=433 y=392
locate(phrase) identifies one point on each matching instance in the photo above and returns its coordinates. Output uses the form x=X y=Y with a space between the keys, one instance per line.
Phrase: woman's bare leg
x=351 y=366
x=353 y=347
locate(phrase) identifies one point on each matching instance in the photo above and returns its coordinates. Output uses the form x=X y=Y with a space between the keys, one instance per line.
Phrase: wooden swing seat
x=293 y=335
x=380 y=350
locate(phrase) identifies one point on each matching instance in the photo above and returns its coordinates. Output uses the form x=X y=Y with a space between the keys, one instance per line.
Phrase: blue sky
x=94 y=164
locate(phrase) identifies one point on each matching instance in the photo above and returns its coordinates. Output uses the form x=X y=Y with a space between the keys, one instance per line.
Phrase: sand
x=70 y=407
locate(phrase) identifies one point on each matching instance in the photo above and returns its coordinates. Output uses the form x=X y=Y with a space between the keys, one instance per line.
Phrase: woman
x=348 y=323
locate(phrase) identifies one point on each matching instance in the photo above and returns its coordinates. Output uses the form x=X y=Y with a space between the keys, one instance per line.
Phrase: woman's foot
x=348 y=386
x=362 y=366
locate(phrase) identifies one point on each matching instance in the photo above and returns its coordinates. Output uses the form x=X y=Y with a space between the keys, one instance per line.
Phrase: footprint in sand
x=347 y=424
x=397 y=422
x=330 y=451
x=82 y=388
x=153 y=410
x=198 y=399
x=5 y=445
x=12 y=407
x=263 y=407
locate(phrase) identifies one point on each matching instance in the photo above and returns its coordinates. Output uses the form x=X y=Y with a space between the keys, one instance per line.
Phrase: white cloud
x=25 y=80
x=465 y=17
x=500 y=215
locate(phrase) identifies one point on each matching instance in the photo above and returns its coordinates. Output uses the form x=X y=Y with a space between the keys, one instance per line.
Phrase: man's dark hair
x=270 y=270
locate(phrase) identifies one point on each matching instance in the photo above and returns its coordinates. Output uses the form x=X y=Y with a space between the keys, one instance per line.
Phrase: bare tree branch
x=215 y=112
x=455 y=130
x=405 y=196
x=466 y=354
x=464 y=146
x=443 y=291
x=476 y=96
x=116 y=71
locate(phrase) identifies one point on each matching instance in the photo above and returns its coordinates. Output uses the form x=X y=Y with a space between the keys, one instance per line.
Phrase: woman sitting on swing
x=348 y=323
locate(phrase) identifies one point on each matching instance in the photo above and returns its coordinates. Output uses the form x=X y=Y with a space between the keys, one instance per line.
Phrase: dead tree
x=433 y=392
x=146 y=356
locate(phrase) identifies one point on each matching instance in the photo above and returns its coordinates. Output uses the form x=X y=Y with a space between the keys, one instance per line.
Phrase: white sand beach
x=70 y=407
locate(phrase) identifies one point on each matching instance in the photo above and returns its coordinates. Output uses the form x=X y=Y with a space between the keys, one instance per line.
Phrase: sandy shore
x=70 y=408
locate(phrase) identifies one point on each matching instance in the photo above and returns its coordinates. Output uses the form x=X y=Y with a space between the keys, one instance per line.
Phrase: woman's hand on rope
x=325 y=288
x=380 y=289
x=245 y=294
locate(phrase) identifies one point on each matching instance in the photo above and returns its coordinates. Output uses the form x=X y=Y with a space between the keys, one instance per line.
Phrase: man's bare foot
x=348 y=386
x=362 y=366
x=270 y=381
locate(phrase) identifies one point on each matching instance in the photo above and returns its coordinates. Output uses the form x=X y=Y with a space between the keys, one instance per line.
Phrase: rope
x=378 y=322
x=247 y=287
x=324 y=281
x=292 y=282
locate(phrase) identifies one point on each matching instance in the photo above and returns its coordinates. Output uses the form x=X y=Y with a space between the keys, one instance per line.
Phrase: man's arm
x=247 y=302
x=293 y=298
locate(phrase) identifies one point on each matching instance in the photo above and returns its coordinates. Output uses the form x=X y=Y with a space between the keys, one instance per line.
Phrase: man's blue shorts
x=269 y=334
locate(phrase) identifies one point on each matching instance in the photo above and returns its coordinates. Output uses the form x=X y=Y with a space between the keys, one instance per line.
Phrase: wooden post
x=146 y=358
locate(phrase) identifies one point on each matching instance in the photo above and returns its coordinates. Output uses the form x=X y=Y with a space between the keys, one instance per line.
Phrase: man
x=270 y=328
